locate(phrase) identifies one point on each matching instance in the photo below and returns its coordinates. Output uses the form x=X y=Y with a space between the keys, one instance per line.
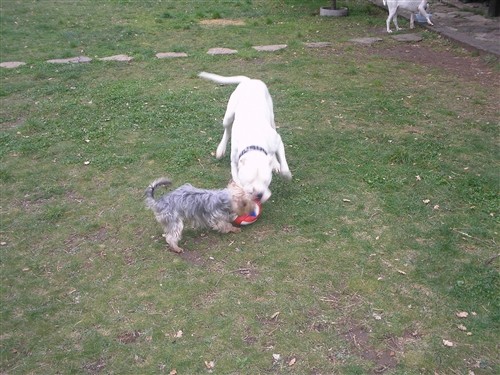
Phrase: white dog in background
x=411 y=5
x=256 y=147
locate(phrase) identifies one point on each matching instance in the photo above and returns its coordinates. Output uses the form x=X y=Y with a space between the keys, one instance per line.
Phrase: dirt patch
x=466 y=67
x=193 y=257
x=95 y=367
x=358 y=338
x=222 y=22
x=129 y=337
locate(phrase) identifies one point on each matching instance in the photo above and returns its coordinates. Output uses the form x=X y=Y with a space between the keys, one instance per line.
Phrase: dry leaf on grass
x=209 y=365
x=292 y=361
x=461 y=327
x=462 y=314
x=448 y=343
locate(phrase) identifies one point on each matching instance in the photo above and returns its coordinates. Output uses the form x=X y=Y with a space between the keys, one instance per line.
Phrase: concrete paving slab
x=221 y=51
x=318 y=44
x=71 y=60
x=170 y=55
x=270 y=48
x=409 y=38
x=125 y=58
x=366 y=41
x=12 y=64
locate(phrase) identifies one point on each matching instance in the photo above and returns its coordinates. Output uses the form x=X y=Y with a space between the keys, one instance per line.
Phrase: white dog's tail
x=223 y=80
x=150 y=191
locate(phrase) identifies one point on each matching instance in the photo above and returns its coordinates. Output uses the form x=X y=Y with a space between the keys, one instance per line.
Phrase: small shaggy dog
x=201 y=208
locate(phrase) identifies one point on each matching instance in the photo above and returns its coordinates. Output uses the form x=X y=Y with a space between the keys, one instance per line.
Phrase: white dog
x=256 y=147
x=411 y=5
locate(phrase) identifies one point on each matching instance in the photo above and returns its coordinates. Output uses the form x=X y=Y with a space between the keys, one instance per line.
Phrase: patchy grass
x=359 y=265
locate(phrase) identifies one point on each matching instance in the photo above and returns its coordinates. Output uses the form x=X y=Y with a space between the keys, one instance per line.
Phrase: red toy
x=251 y=217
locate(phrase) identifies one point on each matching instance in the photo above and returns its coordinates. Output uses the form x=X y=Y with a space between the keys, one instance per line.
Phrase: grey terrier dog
x=201 y=208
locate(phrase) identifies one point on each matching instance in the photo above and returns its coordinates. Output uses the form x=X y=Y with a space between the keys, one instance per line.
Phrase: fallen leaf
x=86 y=162
x=173 y=372
x=426 y=201
x=418 y=178
x=292 y=361
x=178 y=334
x=275 y=315
x=447 y=343
x=376 y=316
x=436 y=207
x=276 y=357
x=402 y=272
x=461 y=327
x=462 y=314
x=346 y=200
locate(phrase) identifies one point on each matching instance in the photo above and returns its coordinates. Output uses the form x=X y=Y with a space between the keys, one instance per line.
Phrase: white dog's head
x=255 y=175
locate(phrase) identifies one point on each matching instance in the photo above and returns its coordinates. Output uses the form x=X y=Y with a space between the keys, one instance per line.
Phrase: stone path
x=211 y=51
x=452 y=19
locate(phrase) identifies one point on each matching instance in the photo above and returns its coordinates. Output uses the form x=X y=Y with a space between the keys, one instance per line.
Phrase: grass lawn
x=379 y=257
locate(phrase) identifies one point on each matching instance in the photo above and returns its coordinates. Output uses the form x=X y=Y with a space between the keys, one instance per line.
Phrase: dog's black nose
x=259 y=196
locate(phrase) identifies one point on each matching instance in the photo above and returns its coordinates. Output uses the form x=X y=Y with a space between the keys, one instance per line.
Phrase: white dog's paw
x=275 y=165
x=286 y=174
x=221 y=151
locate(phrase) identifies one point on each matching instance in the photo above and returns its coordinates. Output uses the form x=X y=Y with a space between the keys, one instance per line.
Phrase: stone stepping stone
x=366 y=41
x=222 y=22
x=12 y=64
x=318 y=44
x=117 y=58
x=74 y=60
x=221 y=51
x=407 y=38
x=170 y=55
x=270 y=48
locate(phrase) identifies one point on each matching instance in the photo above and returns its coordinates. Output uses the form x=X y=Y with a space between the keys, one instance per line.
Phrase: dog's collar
x=252 y=148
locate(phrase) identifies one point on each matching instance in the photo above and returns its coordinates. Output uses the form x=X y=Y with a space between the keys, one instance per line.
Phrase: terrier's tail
x=234 y=80
x=150 y=191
